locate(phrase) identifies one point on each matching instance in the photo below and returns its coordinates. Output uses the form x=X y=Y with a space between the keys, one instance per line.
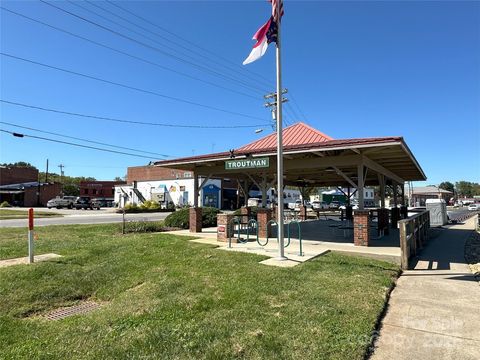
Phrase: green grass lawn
x=6 y=214
x=165 y=297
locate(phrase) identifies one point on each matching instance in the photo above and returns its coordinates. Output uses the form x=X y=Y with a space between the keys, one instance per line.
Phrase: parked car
x=473 y=207
x=344 y=206
x=334 y=205
x=254 y=202
x=60 y=202
x=84 y=202
x=319 y=205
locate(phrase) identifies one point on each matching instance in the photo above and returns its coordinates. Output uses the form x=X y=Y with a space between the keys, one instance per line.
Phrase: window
x=187 y=175
x=94 y=191
x=85 y=191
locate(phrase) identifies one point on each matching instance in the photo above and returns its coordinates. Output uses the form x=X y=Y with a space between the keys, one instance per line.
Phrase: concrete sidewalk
x=434 y=311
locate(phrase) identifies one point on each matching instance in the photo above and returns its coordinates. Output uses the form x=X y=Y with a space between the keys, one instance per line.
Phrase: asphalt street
x=84 y=217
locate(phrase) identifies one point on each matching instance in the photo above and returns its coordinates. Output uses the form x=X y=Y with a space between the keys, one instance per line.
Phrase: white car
x=354 y=207
x=60 y=202
x=319 y=205
x=474 y=207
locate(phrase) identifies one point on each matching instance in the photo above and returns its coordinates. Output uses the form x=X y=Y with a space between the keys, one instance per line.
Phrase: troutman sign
x=247 y=163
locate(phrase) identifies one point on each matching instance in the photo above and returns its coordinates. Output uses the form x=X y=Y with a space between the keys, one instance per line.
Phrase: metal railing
x=413 y=236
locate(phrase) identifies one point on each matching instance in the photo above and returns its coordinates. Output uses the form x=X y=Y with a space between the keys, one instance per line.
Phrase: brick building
x=19 y=186
x=17 y=175
x=102 y=190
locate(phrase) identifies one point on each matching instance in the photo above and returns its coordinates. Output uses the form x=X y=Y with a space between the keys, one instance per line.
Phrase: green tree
x=19 y=164
x=447 y=185
x=71 y=190
x=467 y=189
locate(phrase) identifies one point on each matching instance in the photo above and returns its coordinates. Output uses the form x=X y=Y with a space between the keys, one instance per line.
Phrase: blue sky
x=355 y=69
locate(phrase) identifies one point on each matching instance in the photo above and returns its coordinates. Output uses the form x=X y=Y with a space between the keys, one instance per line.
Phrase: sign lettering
x=247 y=163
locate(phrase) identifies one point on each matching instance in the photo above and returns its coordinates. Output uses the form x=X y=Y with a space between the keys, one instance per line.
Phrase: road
x=84 y=217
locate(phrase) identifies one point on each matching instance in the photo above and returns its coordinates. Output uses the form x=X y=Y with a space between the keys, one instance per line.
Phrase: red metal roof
x=322 y=145
x=294 y=135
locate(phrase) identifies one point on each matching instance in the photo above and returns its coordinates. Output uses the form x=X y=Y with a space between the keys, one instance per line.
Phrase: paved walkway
x=434 y=311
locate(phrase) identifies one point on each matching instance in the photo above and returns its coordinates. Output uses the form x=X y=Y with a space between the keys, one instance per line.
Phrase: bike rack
x=232 y=223
x=268 y=238
x=252 y=221
x=236 y=221
x=299 y=235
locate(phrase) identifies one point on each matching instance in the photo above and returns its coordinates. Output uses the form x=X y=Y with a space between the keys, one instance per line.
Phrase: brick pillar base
x=263 y=217
x=245 y=211
x=302 y=212
x=224 y=227
x=196 y=219
x=395 y=217
x=383 y=221
x=361 y=228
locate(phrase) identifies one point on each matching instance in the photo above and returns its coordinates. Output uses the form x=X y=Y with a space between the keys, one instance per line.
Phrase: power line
x=132 y=87
x=80 y=139
x=72 y=144
x=128 y=54
x=256 y=75
x=298 y=107
x=130 y=121
x=203 y=68
x=151 y=32
x=111 y=13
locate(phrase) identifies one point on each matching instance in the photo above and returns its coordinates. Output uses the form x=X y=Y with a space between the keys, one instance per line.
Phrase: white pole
x=280 y=234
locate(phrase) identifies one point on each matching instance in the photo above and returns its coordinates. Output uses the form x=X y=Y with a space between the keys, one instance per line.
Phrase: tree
x=19 y=164
x=71 y=190
x=447 y=185
x=467 y=189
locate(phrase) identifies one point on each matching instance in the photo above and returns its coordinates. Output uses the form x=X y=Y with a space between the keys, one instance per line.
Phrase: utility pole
x=61 y=166
x=46 y=173
x=273 y=105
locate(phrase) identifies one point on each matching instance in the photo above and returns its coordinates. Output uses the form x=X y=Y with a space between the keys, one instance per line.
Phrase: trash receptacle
x=438 y=211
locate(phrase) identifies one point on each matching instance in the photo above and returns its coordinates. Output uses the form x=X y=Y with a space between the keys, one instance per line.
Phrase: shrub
x=181 y=218
x=143 y=226
x=5 y=204
x=150 y=205
x=253 y=212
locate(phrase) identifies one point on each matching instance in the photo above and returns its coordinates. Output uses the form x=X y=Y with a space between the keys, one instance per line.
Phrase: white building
x=178 y=191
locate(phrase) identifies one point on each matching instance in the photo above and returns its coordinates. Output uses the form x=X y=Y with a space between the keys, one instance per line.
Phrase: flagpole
x=280 y=204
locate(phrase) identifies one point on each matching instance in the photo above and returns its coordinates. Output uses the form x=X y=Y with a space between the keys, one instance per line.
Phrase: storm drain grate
x=82 y=308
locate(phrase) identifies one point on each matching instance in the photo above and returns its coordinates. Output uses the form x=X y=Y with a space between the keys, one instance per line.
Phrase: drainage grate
x=82 y=308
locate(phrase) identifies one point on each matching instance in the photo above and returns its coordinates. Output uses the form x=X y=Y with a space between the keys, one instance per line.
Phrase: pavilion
x=311 y=158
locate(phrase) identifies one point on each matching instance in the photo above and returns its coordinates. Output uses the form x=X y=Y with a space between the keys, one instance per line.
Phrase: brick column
x=395 y=217
x=383 y=220
x=263 y=217
x=245 y=211
x=302 y=212
x=361 y=228
x=224 y=227
x=196 y=219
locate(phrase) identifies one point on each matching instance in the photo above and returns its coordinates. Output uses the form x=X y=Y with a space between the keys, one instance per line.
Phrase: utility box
x=438 y=211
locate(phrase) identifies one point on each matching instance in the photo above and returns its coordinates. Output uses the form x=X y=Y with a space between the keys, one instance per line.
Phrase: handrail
x=413 y=235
